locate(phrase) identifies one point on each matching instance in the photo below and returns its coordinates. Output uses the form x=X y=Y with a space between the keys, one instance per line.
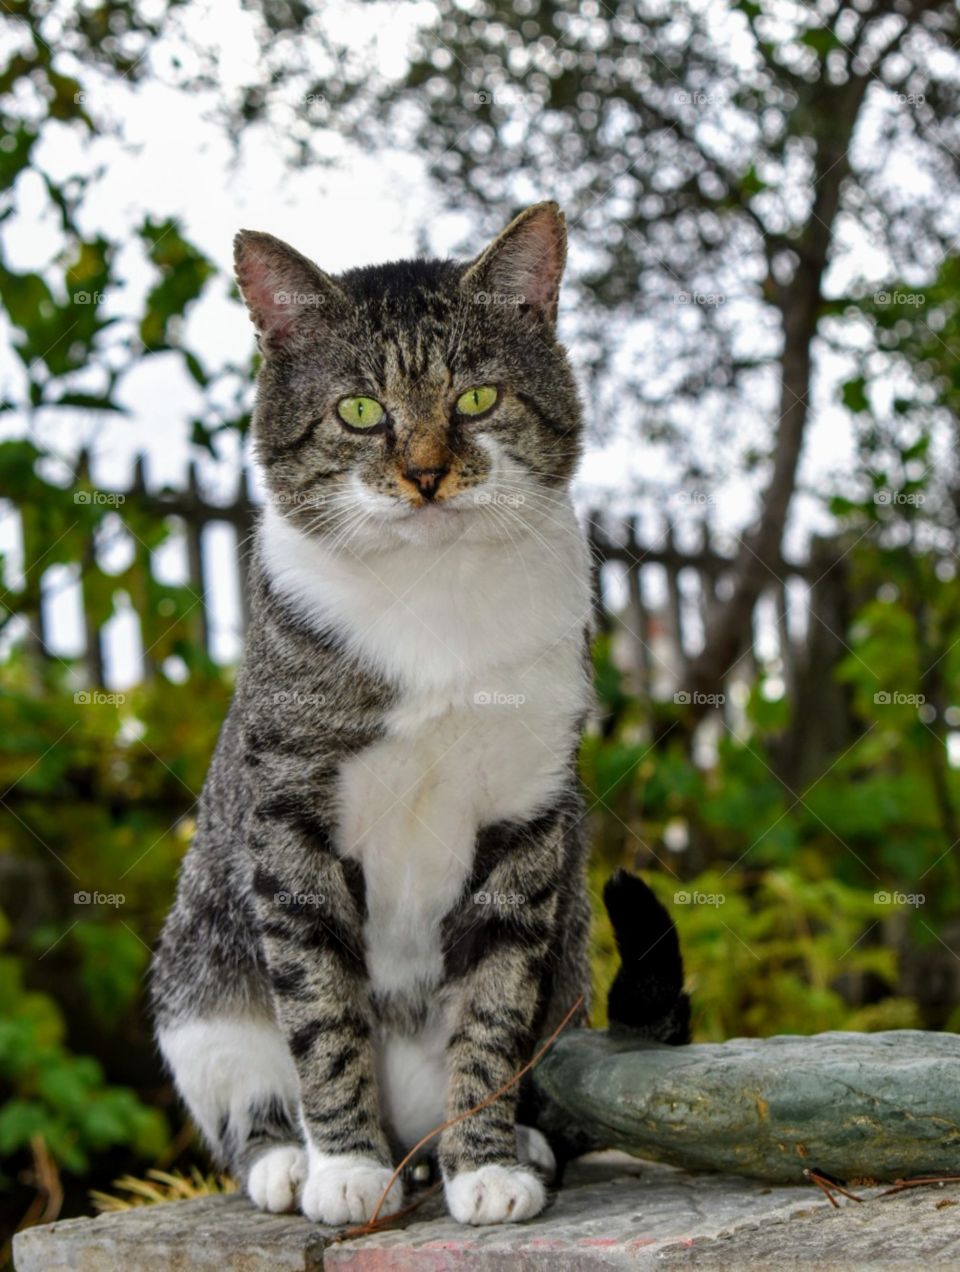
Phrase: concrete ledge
x=614 y=1212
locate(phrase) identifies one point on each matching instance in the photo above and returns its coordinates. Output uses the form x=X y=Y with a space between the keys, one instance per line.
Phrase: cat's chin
x=432 y=525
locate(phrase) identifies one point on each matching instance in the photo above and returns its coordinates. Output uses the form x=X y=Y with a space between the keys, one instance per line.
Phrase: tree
x=724 y=162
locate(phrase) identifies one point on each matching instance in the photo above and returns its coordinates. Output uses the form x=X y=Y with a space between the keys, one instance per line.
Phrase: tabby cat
x=385 y=905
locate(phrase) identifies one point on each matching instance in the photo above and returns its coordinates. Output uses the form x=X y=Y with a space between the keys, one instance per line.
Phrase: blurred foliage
x=98 y=799
x=58 y=1095
x=794 y=906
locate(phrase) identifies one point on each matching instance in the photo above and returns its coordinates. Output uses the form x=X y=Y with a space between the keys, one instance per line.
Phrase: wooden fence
x=652 y=595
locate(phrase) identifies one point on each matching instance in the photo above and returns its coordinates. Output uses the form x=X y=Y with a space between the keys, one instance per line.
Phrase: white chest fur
x=484 y=642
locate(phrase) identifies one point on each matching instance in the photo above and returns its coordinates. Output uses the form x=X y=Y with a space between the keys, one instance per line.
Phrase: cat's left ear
x=290 y=300
x=524 y=264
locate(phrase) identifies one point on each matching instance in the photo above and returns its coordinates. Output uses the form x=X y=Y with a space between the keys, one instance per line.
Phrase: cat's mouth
x=430 y=512
x=430 y=523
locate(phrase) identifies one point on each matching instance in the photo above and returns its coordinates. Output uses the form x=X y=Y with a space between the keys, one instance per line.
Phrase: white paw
x=495 y=1194
x=534 y=1150
x=347 y=1189
x=276 y=1177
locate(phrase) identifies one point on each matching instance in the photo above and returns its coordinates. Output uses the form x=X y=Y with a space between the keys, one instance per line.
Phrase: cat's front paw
x=346 y=1190
x=275 y=1178
x=495 y=1194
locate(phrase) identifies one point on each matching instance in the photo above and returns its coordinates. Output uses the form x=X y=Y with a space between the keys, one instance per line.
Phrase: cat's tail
x=647 y=993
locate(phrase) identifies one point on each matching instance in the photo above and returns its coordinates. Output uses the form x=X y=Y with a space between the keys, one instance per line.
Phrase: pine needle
x=161 y=1186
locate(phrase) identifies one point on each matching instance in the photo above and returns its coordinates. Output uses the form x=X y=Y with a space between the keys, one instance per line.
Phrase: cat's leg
x=215 y=1023
x=312 y=940
x=237 y=1078
x=502 y=993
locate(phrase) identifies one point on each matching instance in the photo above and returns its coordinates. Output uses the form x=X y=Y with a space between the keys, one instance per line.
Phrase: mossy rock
x=859 y=1106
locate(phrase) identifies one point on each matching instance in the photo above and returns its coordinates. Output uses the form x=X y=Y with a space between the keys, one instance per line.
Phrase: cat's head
x=416 y=401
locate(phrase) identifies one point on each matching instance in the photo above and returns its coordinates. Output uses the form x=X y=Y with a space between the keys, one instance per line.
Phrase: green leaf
x=854 y=395
x=89 y=402
x=821 y=40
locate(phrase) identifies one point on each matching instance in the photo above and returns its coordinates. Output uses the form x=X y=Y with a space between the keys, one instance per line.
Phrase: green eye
x=360 y=412
x=476 y=401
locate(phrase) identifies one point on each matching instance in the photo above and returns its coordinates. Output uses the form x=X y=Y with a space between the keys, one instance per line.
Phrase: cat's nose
x=426 y=480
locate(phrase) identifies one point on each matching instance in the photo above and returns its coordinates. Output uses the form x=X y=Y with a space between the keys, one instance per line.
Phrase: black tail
x=647 y=992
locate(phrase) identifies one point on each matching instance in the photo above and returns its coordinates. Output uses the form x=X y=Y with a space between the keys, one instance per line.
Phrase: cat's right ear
x=288 y=297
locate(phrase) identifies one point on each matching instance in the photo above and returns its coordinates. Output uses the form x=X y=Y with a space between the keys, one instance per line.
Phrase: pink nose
x=426 y=480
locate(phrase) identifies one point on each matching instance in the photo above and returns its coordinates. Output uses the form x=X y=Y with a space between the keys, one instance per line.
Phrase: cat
x=385 y=904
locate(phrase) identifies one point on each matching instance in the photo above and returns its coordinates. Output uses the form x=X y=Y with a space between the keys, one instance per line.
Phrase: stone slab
x=614 y=1212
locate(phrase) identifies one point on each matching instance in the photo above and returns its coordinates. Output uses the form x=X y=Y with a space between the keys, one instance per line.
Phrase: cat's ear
x=288 y=297
x=524 y=264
